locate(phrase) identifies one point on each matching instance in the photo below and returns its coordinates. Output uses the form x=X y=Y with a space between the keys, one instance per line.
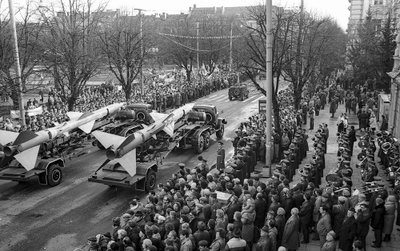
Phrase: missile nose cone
x=111 y=154
x=9 y=150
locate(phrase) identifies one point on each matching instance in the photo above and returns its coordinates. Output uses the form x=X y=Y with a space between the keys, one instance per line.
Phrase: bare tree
x=177 y=45
x=255 y=63
x=72 y=47
x=28 y=33
x=121 y=46
x=310 y=37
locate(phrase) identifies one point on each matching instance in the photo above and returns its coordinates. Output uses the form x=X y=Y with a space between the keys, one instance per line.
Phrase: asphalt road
x=33 y=217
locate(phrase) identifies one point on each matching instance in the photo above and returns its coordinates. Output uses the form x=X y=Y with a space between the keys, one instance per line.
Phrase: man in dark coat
x=349 y=227
x=306 y=217
x=260 y=208
x=363 y=219
x=377 y=221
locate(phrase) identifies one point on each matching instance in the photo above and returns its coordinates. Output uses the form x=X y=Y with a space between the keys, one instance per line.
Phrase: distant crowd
x=160 y=94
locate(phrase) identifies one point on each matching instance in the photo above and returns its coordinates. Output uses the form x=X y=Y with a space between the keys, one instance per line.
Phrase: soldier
x=220 y=156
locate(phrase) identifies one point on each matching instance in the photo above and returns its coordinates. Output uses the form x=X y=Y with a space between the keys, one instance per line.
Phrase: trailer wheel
x=151 y=179
x=206 y=140
x=199 y=147
x=220 y=132
x=54 y=175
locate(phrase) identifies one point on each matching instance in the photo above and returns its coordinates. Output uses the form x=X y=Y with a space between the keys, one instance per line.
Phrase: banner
x=31 y=112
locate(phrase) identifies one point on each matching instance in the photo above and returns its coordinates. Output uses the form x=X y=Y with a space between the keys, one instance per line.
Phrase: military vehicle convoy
x=239 y=92
x=134 y=162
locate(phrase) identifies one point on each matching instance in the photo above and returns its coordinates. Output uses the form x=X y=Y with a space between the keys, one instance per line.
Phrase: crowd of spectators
x=231 y=209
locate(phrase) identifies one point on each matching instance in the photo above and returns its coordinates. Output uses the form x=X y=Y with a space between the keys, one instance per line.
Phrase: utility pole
x=141 y=51
x=197 y=46
x=230 y=50
x=17 y=66
x=298 y=49
x=268 y=89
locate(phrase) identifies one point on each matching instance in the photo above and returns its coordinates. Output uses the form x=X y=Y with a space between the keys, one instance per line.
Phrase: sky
x=337 y=9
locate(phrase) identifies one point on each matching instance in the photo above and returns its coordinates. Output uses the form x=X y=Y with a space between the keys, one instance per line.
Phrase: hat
x=342 y=199
x=107 y=234
x=237 y=232
x=181 y=165
x=379 y=200
x=332 y=234
x=265 y=229
x=346 y=193
x=203 y=243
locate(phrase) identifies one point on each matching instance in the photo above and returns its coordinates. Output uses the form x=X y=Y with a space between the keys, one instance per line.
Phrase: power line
x=194 y=37
x=191 y=48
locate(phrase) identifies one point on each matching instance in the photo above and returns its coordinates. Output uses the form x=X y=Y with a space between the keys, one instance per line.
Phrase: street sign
x=262 y=105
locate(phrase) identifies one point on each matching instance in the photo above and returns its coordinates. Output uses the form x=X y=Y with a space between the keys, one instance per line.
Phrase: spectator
x=377 y=222
x=291 y=237
x=349 y=228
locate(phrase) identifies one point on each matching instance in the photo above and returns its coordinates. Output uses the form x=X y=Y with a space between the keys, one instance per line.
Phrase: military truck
x=200 y=123
x=146 y=158
x=52 y=157
x=238 y=92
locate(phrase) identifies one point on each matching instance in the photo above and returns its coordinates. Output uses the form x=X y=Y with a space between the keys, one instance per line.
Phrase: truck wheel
x=241 y=98
x=54 y=175
x=230 y=98
x=206 y=140
x=151 y=179
x=220 y=132
x=199 y=147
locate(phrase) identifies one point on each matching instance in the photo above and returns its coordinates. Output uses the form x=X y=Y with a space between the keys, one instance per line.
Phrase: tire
x=151 y=180
x=54 y=175
x=241 y=98
x=206 y=140
x=230 y=98
x=199 y=147
x=220 y=132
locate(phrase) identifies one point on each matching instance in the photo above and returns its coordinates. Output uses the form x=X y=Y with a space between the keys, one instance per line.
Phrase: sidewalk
x=330 y=163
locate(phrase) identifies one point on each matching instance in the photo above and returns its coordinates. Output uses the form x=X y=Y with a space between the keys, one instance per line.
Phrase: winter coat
x=324 y=225
x=263 y=244
x=306 y=213
x=390 y=209
x=291 y=236
x=377 y=219
x=329 y=246
x=363 y=219
x=349 y=228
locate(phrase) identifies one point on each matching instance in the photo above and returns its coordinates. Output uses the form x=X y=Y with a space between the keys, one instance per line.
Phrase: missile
x=123 y=149
x=27 y=143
